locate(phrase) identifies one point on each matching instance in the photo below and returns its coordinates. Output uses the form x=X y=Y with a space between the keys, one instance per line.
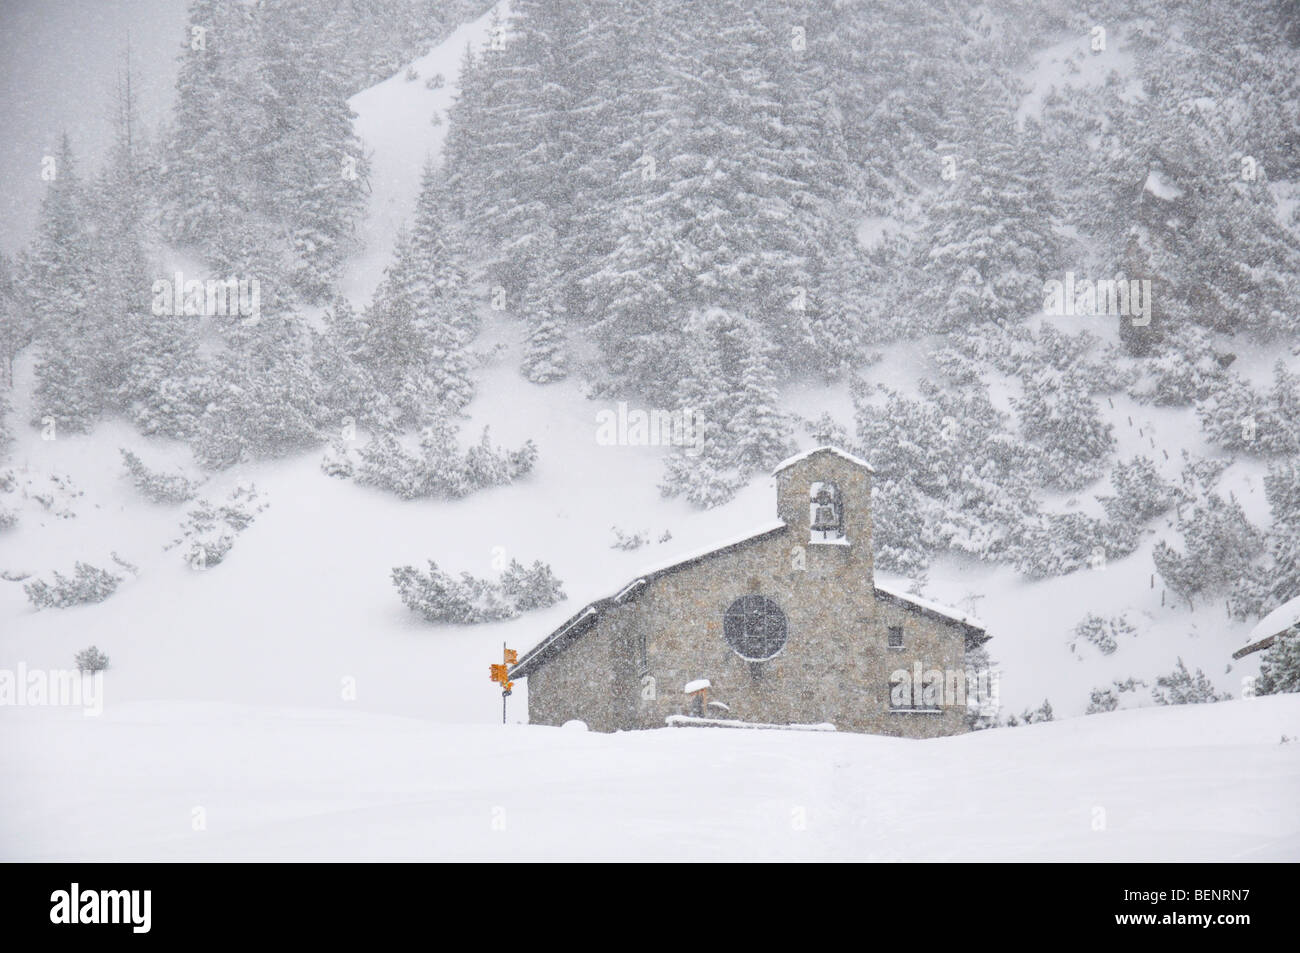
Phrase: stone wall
x=836 y=663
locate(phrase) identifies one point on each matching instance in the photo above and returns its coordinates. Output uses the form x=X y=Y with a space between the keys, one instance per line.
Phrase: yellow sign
x=501 y=673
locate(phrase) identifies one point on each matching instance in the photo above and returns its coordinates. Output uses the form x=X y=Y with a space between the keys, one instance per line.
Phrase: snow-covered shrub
x=1102 y=700
x=627 y=542
x=1181 y=687
x=88 y=584
x=948 y=475
x=469 y=600
x=1059 y=543
x=1034 y=717
x=1266 y=586
x=167 y=488
x=1236 y=417
x=8 y=484
x=1016 y=350
x=1057 y=414
x=706 y=479
x=1069 y=352
x=436 y=81
x=210 y=529
x=337 y=461
x=1140 y=492
x=384 y=464
x=899 y=528
x=1279 y=667
x=91 y=660
x=440 y=598
x=440 y=469
x=1109 y=699
x=1220 y=545
x=1101 y=632
x=531 y=588
x=1186 y=370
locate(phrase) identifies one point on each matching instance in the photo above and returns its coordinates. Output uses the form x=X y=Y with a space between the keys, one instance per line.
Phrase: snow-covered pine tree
x=730 y=390
x=1279 y=667
x=988 y=235
x=545 y=357
x=1220 y=546
x=71 y=386
x=1057 y=413
x=415 y=347
x=310 y=165
x=1276 y=580
x=346 y=385
x=266 y=402
x=204 y=144
x=1181 y=687
x=17 y=324
x=151 y=359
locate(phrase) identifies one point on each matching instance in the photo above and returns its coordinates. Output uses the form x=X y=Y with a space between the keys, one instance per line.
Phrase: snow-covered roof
x=692 y=721
x=701 y=552
x=824 y=448
x=948 y=611
x=1279 y=620
x=697 y=686
x=933 y=608
x=579 y=623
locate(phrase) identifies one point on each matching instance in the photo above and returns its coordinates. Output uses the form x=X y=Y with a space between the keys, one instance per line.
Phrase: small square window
x=895 y=636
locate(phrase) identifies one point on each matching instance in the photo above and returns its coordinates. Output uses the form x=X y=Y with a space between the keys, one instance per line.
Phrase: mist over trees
x=668 y=198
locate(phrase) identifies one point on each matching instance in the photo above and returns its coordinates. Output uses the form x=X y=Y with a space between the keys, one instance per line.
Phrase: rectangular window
x=895 y=636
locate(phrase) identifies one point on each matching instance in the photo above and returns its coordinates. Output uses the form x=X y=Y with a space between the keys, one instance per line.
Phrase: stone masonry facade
x=628 y=666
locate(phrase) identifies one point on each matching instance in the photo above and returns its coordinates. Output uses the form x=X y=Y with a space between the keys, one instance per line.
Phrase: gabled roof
x=971 y=626
x=561 y=638
x=586 y=617
x=825 y=448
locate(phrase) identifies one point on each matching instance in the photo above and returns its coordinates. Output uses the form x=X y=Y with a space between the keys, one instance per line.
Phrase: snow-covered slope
x=1199 y=782
x=290 y=682
x=395 y=120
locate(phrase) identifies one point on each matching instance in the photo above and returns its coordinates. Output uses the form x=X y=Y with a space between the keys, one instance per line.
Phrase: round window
x=754 y=627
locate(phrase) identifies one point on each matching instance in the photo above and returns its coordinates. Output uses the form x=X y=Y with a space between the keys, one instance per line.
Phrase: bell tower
x=824 y=496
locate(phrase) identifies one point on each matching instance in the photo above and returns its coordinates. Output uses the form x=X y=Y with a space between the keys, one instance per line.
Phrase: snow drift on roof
x=835 y=450
x=1279 y=620
x=935 y=607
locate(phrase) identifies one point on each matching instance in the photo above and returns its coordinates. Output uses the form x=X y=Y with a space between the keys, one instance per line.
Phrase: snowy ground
x=1202 y=782
x=289 y=694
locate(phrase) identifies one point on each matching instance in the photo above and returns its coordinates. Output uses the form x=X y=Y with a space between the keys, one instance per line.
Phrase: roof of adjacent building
x=586 y=617
x=1279 y=620
x=1266 y=631
x=825 y=448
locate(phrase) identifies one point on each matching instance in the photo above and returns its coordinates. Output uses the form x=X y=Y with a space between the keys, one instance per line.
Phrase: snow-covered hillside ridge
x=403 y=122
x=302 y=612
x=187 y=781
